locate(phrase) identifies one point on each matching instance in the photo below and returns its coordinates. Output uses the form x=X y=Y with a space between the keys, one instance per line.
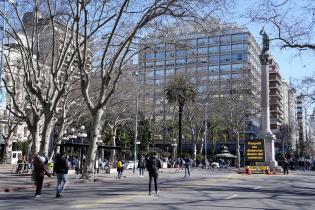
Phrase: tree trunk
x=180 y=116
x=238 y=155
x=88 y=169
x=35 y=138
x=194 y=144
x=7 y=151
x=114 y=132
x=46 y=132
x=201 y=146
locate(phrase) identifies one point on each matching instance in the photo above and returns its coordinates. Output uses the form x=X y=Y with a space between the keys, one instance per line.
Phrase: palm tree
x=180 y=90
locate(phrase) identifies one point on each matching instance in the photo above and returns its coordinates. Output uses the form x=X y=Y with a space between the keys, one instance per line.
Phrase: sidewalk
x=11 y=182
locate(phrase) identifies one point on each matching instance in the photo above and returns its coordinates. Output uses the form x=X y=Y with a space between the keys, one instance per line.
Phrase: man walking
x=153 y=166
x=187 y=163
x=61 y=169
x=285 y=166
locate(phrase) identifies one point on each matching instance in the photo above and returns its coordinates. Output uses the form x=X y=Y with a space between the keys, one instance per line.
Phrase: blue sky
x=293 y=63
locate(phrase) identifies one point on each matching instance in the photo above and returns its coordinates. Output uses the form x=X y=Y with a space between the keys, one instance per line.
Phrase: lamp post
x=82 y=134
x=174 y=145
x=136 y=123
x=206 y=131
x=72 y=136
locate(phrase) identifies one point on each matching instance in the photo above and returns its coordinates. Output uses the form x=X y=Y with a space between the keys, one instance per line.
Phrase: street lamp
x=136 y=122
x=82 y=134
x=174 y=145
x=206 y=131
x=72 y=135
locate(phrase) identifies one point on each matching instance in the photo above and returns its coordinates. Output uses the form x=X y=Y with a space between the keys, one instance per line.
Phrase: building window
x=148 y=55
x=213 y=69
x=225 y=39
x=213 y=77
x=225 y=76
x=224 y=68
x=214 y=59
x=159 y=73
x=180 y=53
x=239 y=37
x=169 y=72
x=202 y=50
x=202 y=41
x=237 y=67
x=149 y=64
x=192 y=42
x=180 y=61
x=237 y=57
x=225 y=48
x=169 y=63
x=160 y=55
x=214 y=49
x=213 y=40
x=159 y=63
x=150 y=74
x=225 y=58
x=169 y=54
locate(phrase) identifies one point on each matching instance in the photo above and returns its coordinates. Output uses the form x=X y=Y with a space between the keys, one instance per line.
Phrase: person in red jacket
x=39 y=172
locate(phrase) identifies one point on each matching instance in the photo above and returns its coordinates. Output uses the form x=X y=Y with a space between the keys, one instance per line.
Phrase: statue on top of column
x=265 y=48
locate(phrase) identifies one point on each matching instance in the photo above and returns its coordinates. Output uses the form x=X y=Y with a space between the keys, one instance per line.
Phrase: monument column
x=266 y=133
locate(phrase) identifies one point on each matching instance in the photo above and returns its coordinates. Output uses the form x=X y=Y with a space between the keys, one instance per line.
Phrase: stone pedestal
x=269 y=138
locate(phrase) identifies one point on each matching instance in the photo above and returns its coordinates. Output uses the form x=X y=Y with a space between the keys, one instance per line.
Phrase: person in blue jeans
x=187 y=163
x=61 y=167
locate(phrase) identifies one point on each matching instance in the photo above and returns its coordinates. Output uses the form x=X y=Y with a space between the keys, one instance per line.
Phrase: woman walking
x=39 y=173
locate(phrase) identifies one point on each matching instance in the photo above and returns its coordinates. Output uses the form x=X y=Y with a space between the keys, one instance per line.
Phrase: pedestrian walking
x=61 y=168
x=187 y=163
x=39 y=172
x=285 y=166
x=153 y=166
x=141 y=166
x=120 y=168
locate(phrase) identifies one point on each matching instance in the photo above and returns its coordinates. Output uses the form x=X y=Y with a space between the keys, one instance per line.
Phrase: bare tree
x=238 y=102
x=291 y=22
x=42 y=34
x=111 y=29
x=120 y=108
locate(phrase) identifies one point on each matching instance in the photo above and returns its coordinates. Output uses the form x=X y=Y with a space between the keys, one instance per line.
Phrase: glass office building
x=211 y=58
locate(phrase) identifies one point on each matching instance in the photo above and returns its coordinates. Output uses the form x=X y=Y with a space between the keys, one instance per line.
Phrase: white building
x=312 y=133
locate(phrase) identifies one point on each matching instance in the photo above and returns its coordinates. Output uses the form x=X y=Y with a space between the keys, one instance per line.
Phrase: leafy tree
x=180 y=90
x=144 y=135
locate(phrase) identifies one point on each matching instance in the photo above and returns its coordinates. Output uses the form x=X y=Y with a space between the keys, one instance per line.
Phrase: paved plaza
x=219 y=189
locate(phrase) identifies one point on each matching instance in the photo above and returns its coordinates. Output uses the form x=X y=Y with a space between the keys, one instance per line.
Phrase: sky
x=294 y=65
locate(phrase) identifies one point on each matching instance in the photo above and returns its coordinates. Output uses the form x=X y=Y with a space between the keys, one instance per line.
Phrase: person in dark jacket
x=285 y=166
x=61 y=167
x=141 y=166
x=153 y=166
x=39 y=172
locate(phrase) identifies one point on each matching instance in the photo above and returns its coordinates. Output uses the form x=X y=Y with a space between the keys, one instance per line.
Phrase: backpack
x=119 y=164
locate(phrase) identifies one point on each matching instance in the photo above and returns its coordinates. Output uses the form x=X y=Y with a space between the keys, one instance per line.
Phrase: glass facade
x=207 y=59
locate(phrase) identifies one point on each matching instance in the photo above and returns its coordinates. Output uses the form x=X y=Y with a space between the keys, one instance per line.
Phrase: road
x=204 y=190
